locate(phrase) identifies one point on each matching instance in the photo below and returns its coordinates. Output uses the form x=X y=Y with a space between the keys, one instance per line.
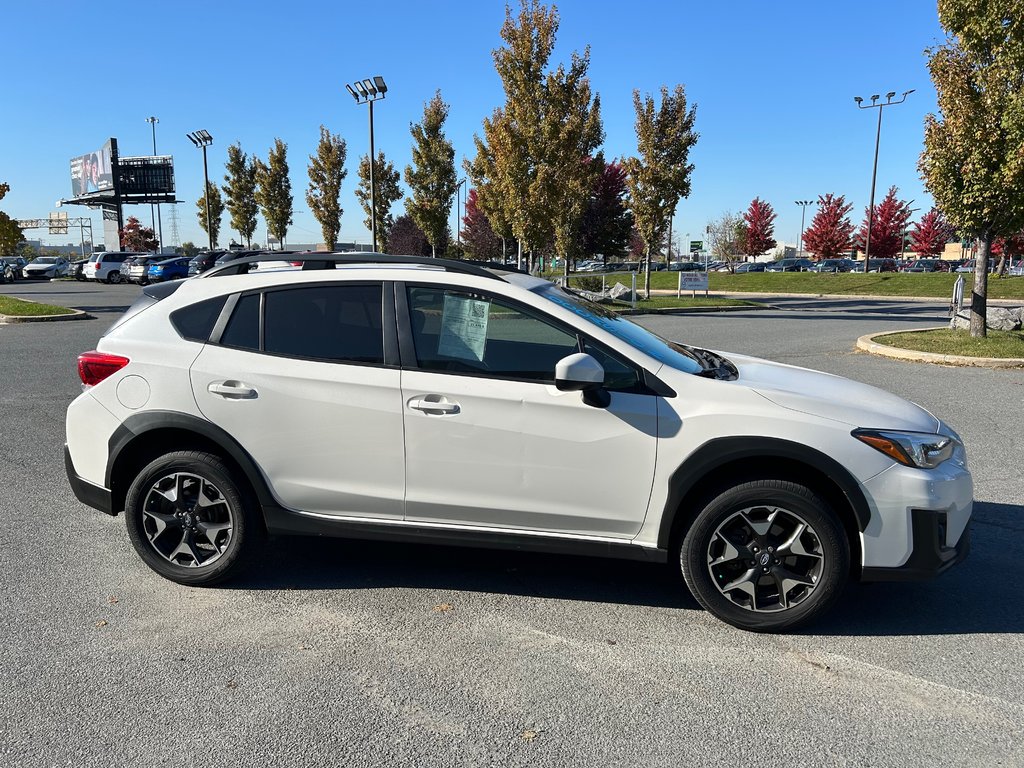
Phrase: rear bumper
x=87 y=493
x=929 y=555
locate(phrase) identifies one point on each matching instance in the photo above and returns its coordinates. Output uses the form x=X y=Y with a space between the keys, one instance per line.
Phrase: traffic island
x=943 y=346
x=15 y=310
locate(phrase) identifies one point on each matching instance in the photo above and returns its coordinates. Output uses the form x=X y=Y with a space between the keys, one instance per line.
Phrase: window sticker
x=463 y=328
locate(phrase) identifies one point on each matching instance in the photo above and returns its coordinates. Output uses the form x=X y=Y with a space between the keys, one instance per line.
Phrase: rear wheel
x=766 y=556
x=114 y=276
x=190 y=521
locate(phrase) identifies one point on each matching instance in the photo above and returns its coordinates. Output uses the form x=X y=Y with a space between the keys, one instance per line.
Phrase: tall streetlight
x=458 y=218
x=878 y=135
x=803 y=211
x=366 y=92
x=160 y=243
x=203 y=139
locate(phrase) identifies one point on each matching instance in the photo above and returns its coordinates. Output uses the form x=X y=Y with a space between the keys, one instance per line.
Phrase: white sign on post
x=693 y=281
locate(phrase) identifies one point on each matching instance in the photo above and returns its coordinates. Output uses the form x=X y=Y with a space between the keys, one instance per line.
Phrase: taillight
x=94 y=367
x=296 y=263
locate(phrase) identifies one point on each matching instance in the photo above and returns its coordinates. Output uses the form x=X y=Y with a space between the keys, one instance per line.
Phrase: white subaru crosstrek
x=375 y=396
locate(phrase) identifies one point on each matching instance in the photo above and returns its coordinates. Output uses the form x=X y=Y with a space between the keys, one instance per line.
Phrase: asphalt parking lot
x=353 y=653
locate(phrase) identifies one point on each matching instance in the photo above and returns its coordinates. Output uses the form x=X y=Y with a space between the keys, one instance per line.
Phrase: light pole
x=366 y=92
x=160 y=237
x=803 y=210
x=458 y=218
x=203 y=139
x=878 y=135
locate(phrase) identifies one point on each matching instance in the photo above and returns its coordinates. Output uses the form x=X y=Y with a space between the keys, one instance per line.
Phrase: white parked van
x=106 y=266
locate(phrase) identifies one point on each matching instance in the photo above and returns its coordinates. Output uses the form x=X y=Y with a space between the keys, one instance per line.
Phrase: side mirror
x=580 y=372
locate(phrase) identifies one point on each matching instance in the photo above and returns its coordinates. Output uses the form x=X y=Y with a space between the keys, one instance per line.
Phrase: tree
x=759 y=235
x=407 y=239
x=188 y=248
x=326 y=172
x=478 y=236
x=890 y=221
x=973 y=158
x=431 y=177
x=726 y=235
x=240 y=192
x=531 y=167
x=385 y=179
x=607 y=220
x=660 y=176
x=216 y=212
x=830 y=234
x=10 y=235
x=274 y=191
x=135 y=237
x=4 y=189
x=930 y=235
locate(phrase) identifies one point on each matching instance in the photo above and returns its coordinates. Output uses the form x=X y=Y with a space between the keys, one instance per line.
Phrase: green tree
x=10 y=235
x=274 y=191
x=660 y=175
x=532 y=166
x=4 y=189
x=188 y=248
x=326 y=173
x=431 y=177
x=385 y=179
x=216 y=212
x=240 y=192
x=973 y=158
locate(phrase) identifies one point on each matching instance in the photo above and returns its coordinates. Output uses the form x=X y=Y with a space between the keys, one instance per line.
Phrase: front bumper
x=87 y=493
x=929 y=555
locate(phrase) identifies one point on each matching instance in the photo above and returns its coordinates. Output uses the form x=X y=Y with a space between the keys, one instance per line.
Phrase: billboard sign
x=92 y=172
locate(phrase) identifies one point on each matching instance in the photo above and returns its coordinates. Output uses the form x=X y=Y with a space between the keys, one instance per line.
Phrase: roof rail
x=314 y=260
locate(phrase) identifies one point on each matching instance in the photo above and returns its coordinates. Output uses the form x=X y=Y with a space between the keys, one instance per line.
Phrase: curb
x=866 y=343
x=693 y=310
x=71 y=314
x=871 y=297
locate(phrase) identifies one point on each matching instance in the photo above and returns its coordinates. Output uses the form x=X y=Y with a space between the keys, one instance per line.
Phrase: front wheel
x=114 y=277
x=766 y=556
x=190 y=521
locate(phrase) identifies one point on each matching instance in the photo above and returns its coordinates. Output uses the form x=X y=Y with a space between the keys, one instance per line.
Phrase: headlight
x=913 y=449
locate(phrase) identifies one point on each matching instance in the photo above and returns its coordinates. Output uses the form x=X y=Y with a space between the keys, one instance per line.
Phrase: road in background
x=352 y=653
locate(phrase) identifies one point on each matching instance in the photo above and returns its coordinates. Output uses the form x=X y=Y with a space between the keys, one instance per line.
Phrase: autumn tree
x=326 y=173
x=890 y=221
x=660 y=175
x=274 y=191
x=431 y=177
x=532 y=165
x=135 y=237
x=930 y=235
x=240 y=192
x=385 y=179
x=4 y=189
x=10 y=235
x=830 y=234
x=607 y=220
x=973 y=158
x=726 y=235
x=405 y=238
x=216 y=212
x=478 y=236
x=759 y=231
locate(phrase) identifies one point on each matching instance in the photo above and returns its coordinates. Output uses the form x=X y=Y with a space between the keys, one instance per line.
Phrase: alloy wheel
x=187 y=520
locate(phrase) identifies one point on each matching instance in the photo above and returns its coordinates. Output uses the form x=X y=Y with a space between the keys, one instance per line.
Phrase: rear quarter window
x=195 y=322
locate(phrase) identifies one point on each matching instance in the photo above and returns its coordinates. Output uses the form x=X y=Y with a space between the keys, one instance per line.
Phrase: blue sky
x=773 y=82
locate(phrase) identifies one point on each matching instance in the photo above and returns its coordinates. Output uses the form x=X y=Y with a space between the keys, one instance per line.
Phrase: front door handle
x=232 y=390
x=434 y=404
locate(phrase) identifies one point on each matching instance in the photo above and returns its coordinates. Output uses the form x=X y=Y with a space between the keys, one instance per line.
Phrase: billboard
x=92 y=172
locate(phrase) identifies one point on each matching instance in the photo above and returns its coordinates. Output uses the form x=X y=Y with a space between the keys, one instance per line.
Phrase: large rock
x=618 y=290
x=997 y=319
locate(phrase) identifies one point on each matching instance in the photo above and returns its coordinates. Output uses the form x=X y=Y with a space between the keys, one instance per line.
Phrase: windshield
x=667 y=352
x=46 y=260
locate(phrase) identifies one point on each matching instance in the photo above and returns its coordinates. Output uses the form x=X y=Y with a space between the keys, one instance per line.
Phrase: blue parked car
x=168 y=269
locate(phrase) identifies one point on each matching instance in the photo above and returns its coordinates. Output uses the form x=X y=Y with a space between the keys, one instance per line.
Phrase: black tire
x=750 y=536
x=113 y=277
x=210 y=536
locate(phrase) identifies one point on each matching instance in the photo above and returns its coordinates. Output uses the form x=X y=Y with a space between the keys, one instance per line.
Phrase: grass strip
x=14 y=307
x=946 y=341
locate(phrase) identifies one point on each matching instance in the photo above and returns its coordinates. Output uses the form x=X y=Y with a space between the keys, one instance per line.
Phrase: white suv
x=391 y=397
x=105 y=266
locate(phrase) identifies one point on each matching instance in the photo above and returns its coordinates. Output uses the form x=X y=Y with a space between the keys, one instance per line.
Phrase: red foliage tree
x=830 y=234
x=135 y=237
x=637 y=249
x=930 y=235
x=759 y=228
x=607 y=221
x=890 y=222
x=477 y=234
x=407 y=239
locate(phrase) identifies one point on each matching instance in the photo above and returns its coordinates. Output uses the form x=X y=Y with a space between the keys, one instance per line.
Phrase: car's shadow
x=982 y=595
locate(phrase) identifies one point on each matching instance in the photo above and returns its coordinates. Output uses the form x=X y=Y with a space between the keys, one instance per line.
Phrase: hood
x=831 y=397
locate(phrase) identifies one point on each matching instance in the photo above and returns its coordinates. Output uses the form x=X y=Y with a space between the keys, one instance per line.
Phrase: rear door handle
x=436 y=404
x=232 y=390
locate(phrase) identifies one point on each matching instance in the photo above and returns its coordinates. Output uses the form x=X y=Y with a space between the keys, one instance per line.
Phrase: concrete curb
x=867 y=344
x=693 y=310
x=72 y=314
x=870 y=297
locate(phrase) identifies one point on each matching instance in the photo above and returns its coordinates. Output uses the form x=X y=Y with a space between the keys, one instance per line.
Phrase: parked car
x=751 y=266
x=105 y=266
x=1017 y=270
x=18 y=264
x=138 y=270
x=75 y=269
x=783 y=483
x=928 y=265
x=49 y=267
x=877 y=265
x=206 y=259
x=834 y=265
x=168 y=269
x=7 y=274
x=686 y=266
x=790 y=265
